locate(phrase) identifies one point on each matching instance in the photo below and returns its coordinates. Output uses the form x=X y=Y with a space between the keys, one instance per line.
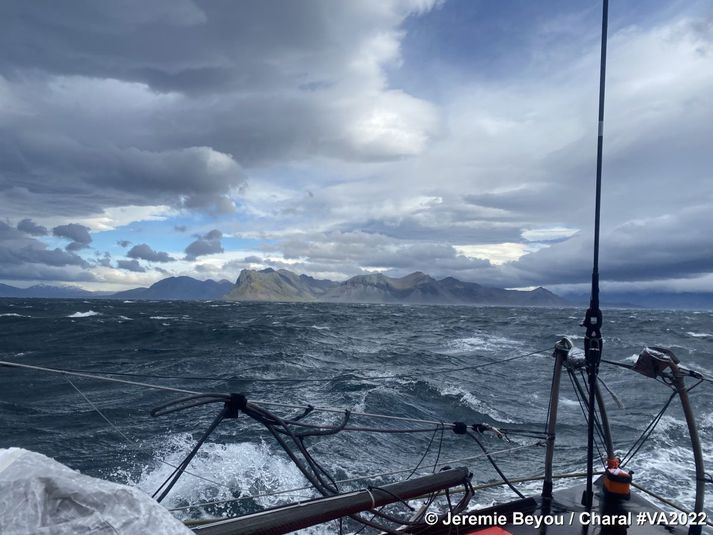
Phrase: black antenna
x=593 y=318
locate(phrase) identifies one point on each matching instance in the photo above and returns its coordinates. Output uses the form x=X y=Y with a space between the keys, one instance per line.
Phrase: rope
x=664 y=500
x=646 y=433
x=99 y=412
x=263 y=402
x=579 y=393
x=497 y=468
x=130 y=440
x=93 y=376
x=276 y=379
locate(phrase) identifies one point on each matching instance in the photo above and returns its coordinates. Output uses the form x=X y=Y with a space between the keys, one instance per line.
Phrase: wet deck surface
x=565 y=507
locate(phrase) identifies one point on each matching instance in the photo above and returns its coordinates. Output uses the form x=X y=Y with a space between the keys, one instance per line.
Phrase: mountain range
x=285 y=286
x=179 y=288
x=417 y=288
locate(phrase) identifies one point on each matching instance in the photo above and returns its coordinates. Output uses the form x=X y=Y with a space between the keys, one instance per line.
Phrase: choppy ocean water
x=352 y=347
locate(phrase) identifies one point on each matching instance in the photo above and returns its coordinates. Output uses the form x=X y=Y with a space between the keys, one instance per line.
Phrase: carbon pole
x=593 y=317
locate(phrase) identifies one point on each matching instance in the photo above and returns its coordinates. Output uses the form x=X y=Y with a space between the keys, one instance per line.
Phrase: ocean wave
x=699 y=335
x=229 y=471
x=161 y=318
x=485 y=342
x=13 y=315
x=125 y=318
x=566 y=402
x=87 y=314
x=469 y=400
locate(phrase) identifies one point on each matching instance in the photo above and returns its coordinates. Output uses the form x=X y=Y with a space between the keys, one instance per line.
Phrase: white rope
x=99 y=377
x=135 y=441
x=193 y=392
x=363 y=414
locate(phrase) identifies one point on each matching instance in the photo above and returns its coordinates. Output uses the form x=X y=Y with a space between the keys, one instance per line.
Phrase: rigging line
x=306 y=380
x=314 y=475
x=494 y=464
x=664 y=500
x=341 y=411
x=98 y=377
x=173 y=478
x=255 y=402
x=487 y=364
x=129 y=440
x=691 y=373
x=572 y=379
x=99 y=412
x=351 y=480
x=597 y=420
x=647 y=432
x=418 y=465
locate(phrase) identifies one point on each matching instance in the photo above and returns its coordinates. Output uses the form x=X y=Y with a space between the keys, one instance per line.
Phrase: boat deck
x=571 y=516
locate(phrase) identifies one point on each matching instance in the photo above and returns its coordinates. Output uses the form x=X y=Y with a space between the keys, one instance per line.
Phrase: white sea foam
x=125 y=318
x=699 y=335
x=566 y=402
x=160 y=317
x=13 y=315
x=229 y=470
x=483 y=342
x=469 y=400
x=321 y=327
x=87 y=314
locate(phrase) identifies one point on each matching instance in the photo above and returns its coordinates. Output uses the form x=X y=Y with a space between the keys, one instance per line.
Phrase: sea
x=438 y=363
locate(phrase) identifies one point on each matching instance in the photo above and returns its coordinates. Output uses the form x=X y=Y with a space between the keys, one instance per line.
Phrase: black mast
x=593 y=318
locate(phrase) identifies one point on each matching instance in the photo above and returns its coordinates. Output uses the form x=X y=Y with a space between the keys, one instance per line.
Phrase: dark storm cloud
x=57 y=168
x=78 y=234
x=657 y=248
x=130 y=265
x=74 y=232
x=353 y=252
x=175 y=45
x=104 y=260
x=173 y=95
x=123 y=243
x=30 y=227
x=207 y=244
x=26 y=258
x=144 y=252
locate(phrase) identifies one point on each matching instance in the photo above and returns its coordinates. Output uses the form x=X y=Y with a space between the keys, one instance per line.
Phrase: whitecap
x=481 y=343
x=699 y=335
x=87 y=314
x=469 y=400
x=13 y=315
x=238 y=469
x=160 y=317
x=125 y=318
x=321 y=327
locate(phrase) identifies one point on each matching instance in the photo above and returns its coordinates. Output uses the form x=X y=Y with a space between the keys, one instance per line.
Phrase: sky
x=140 y=140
